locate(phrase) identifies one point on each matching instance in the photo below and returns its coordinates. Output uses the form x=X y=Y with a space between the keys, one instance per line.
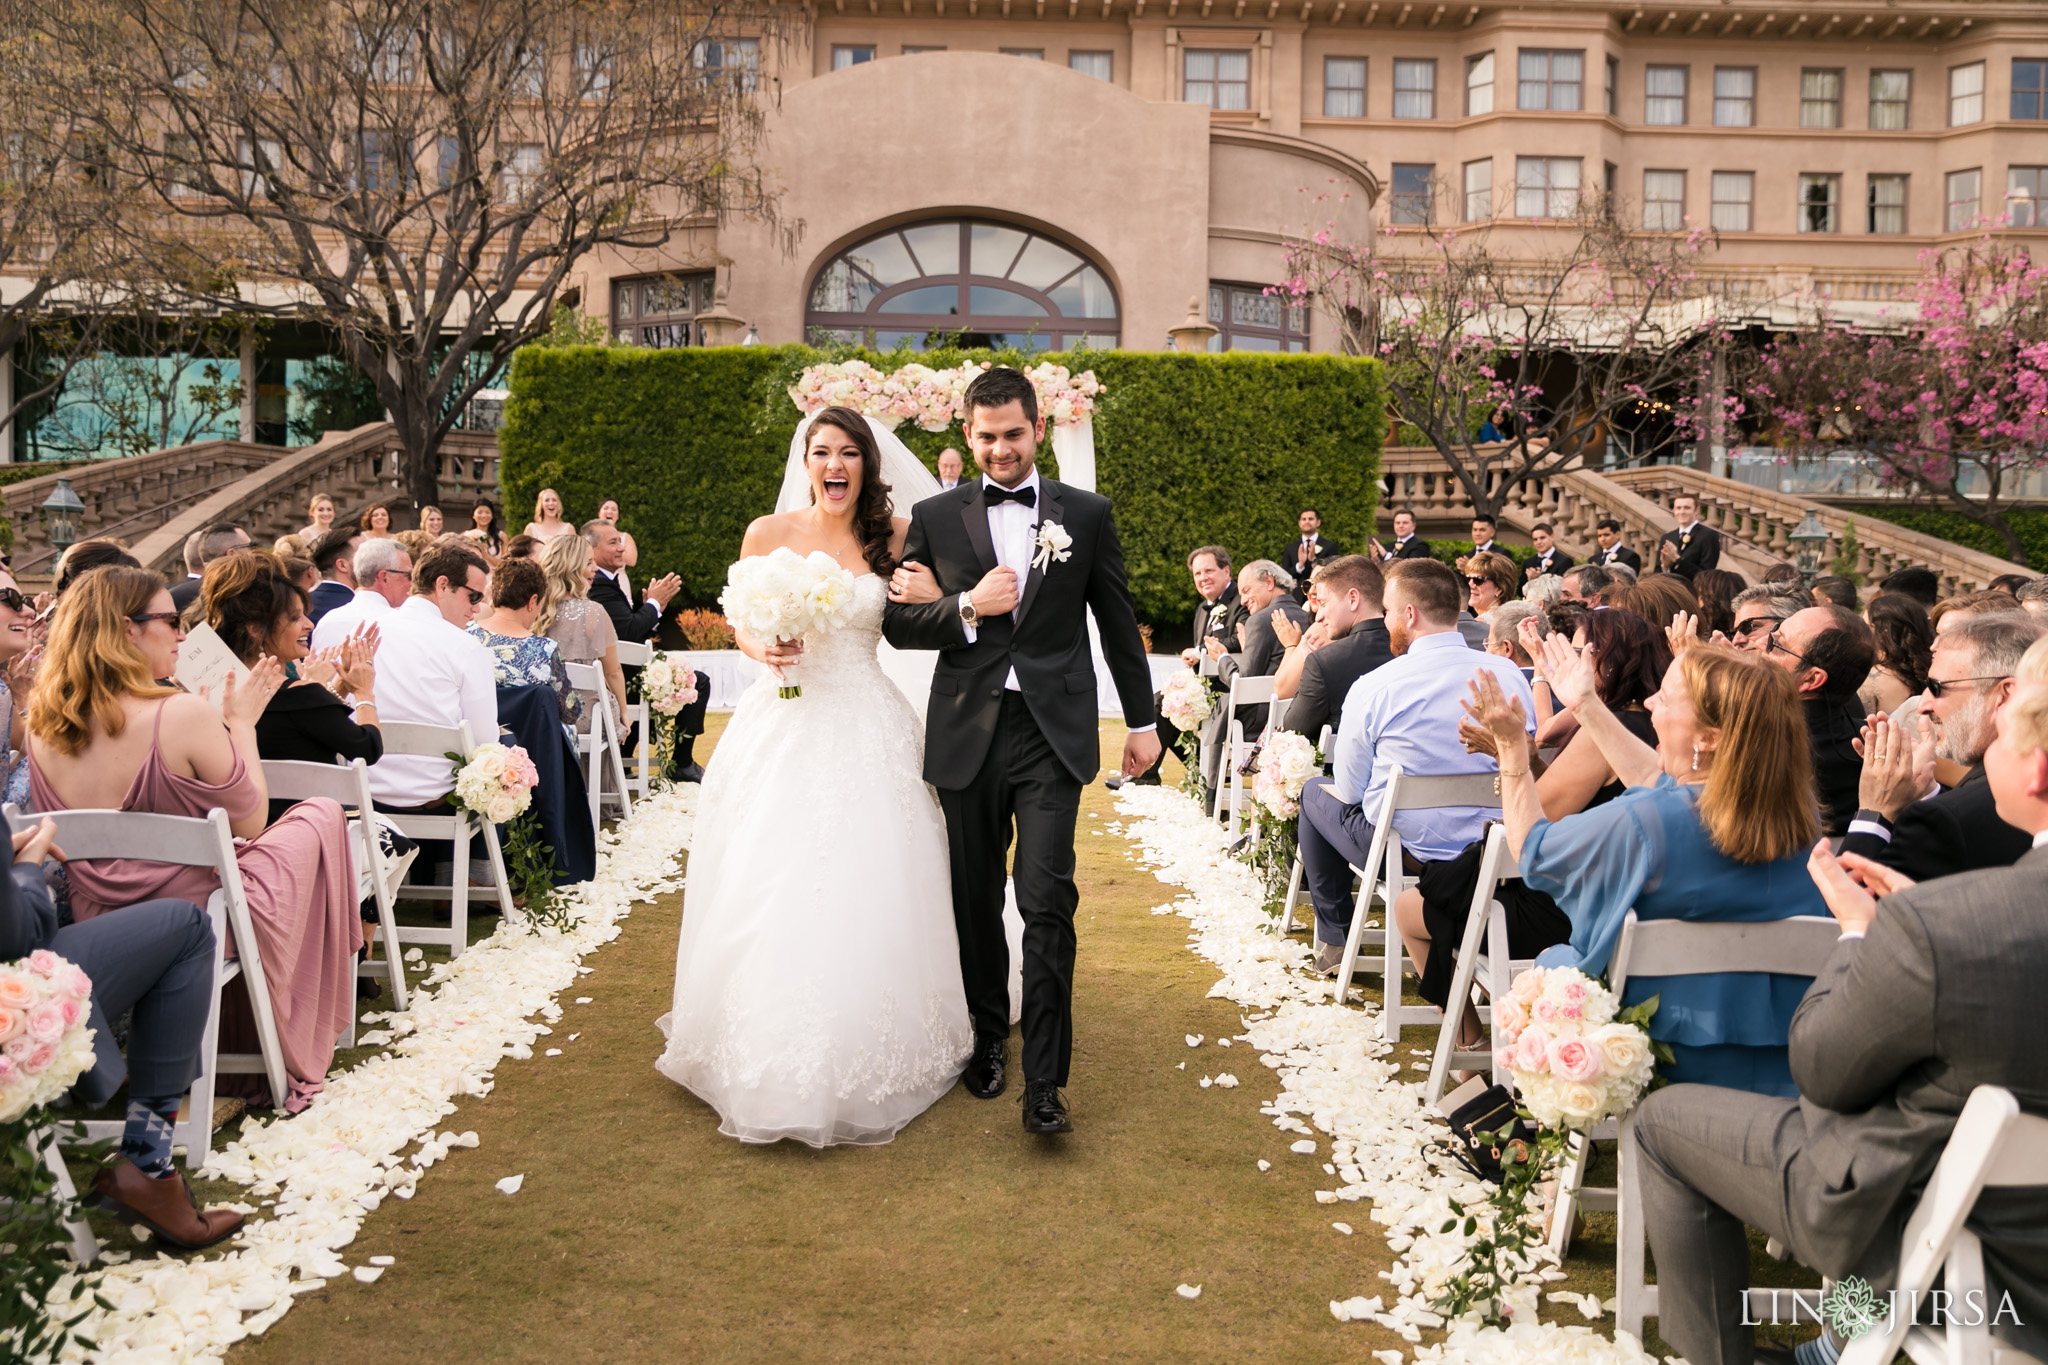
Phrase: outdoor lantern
x=62 y=511
x=1808 y=540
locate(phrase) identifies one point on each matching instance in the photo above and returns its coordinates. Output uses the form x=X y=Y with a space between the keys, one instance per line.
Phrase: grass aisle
x=640 y=1234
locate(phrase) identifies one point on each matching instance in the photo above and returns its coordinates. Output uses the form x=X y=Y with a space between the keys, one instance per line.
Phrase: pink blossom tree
x=1951 y=404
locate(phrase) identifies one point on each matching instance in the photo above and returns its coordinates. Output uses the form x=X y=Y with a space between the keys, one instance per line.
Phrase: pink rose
x=8 y=1070
x=1572 y=1011
x=76 y=983
x=1574 y=991
x=46 y=1022
x=70 y=1010
x=1545 y=1011
x=39 y=1059
x=1510 y=1017
x=1532 y=1049
x=15 y=993
x=13 y=1023
x=1574 y=1061
x=43 y=962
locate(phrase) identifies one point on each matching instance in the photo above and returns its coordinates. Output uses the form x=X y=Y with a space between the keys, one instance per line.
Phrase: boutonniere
x=1052 y=542
x=1685 y=538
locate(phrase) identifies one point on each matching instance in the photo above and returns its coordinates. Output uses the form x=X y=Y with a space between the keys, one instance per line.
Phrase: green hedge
x=2031 y=524
x=1193 y=449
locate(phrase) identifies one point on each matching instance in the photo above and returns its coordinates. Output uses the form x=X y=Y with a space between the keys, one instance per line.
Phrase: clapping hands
x=1898 y=764
x=1495 y=713
x=1285 y=630
x=1571 y=671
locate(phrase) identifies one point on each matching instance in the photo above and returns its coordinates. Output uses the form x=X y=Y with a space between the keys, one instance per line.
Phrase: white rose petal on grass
x=1189 y=1291
x=1265 y=1165
x=510 y=1184
x=552 y=1052
x=414 y=955
x=582 y=999
x=1305 y=1147
x=367 y=1274
x=1194 y=1039
x=1344 y=1228
x=383 y=1260
x=1387 y=1357
x=1206 y=1082
x=1227 y=1081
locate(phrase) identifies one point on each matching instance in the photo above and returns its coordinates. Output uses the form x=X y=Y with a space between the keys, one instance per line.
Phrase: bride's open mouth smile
x=837 y=489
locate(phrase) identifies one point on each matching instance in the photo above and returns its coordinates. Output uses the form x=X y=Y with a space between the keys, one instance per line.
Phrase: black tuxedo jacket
x=1290 y=560
x=1557 y=562
x=1219 y=619
x=1415 y=548
x=1617 y=554
x=634 y=622
x=1957 y=831
x=1702 y=550
x=1327 y=675
x=1045 y=639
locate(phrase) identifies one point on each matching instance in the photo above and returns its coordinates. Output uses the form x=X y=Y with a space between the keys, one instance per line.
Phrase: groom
x=1011 y=731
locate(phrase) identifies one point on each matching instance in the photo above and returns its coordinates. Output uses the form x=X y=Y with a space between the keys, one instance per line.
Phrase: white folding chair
x=186 y=841
x=457 y=827
x=349 y=786
x=1488 y=918
x=599 y=745
x=85 y=1248
x=1237 y=747
x=1276 y=715
x=1294 y=873
x=1993 y=1146
x=1799 y=946
x=1382 y=876
x=638 y=714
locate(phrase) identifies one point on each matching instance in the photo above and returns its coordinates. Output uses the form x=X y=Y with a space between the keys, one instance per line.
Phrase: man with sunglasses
x=430 y=671
x=1957 y=830
x=1829 y=652
x=1761 y=610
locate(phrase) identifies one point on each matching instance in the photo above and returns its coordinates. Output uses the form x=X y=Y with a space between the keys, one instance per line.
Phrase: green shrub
x=1193 y=449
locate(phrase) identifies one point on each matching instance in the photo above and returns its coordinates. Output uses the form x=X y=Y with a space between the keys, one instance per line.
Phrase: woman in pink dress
x=103 y=734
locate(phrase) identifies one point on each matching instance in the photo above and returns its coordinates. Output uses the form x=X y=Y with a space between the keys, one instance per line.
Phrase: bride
x=818 y=991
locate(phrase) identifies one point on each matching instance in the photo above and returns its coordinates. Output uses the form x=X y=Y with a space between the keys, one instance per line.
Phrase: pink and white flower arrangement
x=1185 y=701
x=786 y=596
x=933 y=398
x=667 y=684
x=1286 y=763
x=496 y=782
x=1063 y=397
x=45 y=1040
x=1576 y=1058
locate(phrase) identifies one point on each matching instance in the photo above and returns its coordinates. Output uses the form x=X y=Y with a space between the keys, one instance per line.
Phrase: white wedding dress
x=818 y=990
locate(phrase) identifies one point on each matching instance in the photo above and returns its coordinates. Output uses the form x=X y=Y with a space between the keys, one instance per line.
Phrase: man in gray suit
x=1926 y=997
x=1264 y=588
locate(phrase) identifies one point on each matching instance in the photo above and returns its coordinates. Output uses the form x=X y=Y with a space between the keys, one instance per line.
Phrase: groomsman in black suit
x=1607 y=532
x=1308 y=551
x=1407 y=545
x=1483 y=531
x=1694 y=545
x=1348 y=641
x=1217 y=617
x=1549 y=559
x=635 y=623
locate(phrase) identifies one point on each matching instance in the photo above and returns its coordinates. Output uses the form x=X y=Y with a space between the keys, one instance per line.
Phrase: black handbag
x=1477 y=1112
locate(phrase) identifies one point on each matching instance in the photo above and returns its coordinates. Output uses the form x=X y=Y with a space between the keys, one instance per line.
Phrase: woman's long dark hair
x=1630 y=656
x=1905 y=640
x=871 y=519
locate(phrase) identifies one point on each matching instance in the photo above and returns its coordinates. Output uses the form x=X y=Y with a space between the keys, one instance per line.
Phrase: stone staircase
x=153 y=502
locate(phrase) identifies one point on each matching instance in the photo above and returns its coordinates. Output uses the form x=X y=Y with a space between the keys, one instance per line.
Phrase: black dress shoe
x=689 y=772
x=1044 y=1110
x=984 y=1075
x=1114 y=781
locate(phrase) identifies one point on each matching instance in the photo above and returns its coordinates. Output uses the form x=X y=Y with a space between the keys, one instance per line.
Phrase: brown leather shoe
x=163 y=1206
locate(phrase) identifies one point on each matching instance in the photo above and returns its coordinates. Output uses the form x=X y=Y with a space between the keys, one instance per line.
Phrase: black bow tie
x=992 y=494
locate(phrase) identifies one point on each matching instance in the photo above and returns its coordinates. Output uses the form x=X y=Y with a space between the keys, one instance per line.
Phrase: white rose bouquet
x=495 y=782
x=1185 y=701
x=1286 y=762
x=667 y=684
x=45 y=1042
x=784 y=596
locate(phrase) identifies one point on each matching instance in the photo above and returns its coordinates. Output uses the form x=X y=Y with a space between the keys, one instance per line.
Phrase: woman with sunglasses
x=1490 y=580
x=104 y=734
x=17 y=675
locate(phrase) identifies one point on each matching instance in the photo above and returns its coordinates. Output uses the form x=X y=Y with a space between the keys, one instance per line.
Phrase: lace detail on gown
x=818 y=991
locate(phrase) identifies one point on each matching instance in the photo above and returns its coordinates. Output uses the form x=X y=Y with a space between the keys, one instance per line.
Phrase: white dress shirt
x=343 y=621
x=430 y=673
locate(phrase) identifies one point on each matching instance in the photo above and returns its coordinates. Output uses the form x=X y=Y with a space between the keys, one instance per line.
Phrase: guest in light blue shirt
x=1406 y=712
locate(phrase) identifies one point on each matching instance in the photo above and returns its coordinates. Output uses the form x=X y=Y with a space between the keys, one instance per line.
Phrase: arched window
x=966 y=284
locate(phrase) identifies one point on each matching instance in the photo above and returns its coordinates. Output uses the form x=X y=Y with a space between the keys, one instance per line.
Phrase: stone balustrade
x=128 y=498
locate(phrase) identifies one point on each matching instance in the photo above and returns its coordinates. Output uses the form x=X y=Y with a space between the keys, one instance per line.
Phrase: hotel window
x=1414 y=88
x=1479 y=84
x=661 y=311
x=1343 y=87
x=182 y=167
x=2024 y=186
x=1664 y=96
x=910 y=51
x=1550 y=80
x=1613 y=105
x=734 y=59
x=2030 y=89
x=271 y=152
x=1098 y=65
x=1036 y=54
x=1734 y=97
x=1891 y=95
x=1411 y=193
x=1820 y=203
x=1734 y=192
x=1221 y=80
x=1965 y=200
x=1965 y=94
x=1663 y=201
x=1546 y=186
x=1250 y=319
x=1478 y=191
x=844 y=56
x=1887 y=205
x=1820 y=99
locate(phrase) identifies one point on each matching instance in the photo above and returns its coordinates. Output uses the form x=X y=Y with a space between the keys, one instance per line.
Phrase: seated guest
x=1914 y=1011
x=1761 y=610
x=611 y=590
x=1263 y=587
x=1623 y=576
x=1904 y=636
x=1218 y=614
x=1714 y=826
x=1919 y=584
x=1565 y=617
x=87 y=555
x=1350 y=636
x=1658 y=598
x=1607 y=533
x=2032 y=596
x=1404 y=712
x=416 y=542
x=1490 y=579
x=202 y=547
x=520 y=658
x=522 y=546
x=2009 y=583
x=1839 y=591
x=1970 y=680
x=433 y=672
x=260 y=613
x=1585 y=582
x=98 y=739
x=1829 y=651
x=1548 y=559
x=17 y=671
x=1951 y=610
x=383 y=573
x=334 y=556
x=302 y=572
x=1543 y=589
x=1717 y=590
x=580 y=629
x=155 y=960
x=1503 y=633
x=293 y=545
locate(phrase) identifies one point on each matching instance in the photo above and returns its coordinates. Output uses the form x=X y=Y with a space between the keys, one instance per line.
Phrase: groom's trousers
x=1022 y=781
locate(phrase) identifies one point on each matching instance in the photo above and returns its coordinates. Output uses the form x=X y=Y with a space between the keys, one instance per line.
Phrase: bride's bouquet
x=45 y=1043
x=784 y=596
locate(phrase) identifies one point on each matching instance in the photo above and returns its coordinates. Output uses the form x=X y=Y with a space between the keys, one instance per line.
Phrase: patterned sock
x=146 y=1138
x=1822 y=1350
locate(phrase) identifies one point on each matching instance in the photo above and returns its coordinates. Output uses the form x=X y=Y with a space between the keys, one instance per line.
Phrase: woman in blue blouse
x=1715 y=825
x=518 y=656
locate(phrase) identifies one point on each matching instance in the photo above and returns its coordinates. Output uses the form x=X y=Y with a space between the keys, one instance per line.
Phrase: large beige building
x=1048 y=170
